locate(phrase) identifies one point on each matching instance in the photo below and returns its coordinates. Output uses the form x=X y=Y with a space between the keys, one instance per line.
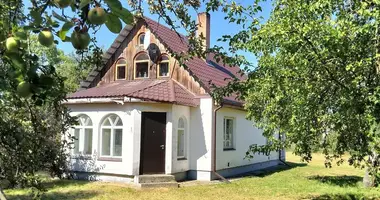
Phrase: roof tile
x=151 y=90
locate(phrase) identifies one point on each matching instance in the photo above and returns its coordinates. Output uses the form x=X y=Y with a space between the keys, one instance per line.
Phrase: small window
x=163 y=67
x=142 y=66
x=181 y=143
x=141 y=39
x=121 y=66
x=228 y=136
x=83 y=136
x=111 y=136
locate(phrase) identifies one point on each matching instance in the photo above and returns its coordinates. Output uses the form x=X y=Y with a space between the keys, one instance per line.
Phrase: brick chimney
x=204 y=28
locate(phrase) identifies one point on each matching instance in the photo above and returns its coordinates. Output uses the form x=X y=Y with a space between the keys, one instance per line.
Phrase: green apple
x=24 y=89
x=80 y=40
x=12 y=44
x=97 y=16
x=62 y=3
x=46 y=38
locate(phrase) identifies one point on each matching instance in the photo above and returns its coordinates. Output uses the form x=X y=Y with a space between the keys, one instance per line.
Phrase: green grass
x=301 y=181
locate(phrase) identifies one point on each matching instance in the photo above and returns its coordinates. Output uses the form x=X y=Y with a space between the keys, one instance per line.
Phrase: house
x=142 y=115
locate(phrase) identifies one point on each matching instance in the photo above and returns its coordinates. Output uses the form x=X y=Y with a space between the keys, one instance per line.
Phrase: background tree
x=317 y=80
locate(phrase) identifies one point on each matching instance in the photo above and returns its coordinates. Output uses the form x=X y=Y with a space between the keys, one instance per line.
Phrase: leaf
x=67 y=39
x=65 y=28
x=21 y=35
x=114 y=4
x=113 y=23
x=36 y=16
x=59 y=17
x=16 y=60
x=124 y=15
x=84 y=3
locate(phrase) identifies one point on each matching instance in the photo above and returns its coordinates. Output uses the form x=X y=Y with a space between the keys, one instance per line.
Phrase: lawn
x=301 y=181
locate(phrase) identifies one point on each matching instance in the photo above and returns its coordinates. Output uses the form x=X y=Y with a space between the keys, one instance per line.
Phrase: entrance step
x=155 y=181
x=155 y=178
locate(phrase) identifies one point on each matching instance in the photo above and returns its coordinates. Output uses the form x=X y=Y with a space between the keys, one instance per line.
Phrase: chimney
x=204 y=28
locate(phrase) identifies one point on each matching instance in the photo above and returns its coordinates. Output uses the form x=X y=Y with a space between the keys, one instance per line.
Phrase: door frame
x=142 y=131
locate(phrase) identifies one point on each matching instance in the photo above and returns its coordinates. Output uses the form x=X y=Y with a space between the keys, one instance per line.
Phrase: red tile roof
x=151 y=90
x=206 y=73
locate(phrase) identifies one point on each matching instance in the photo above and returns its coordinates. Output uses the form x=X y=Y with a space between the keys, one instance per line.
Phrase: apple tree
x=316 y=81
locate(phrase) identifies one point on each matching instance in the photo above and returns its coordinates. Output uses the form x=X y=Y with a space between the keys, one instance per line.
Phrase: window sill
x=138 y=78
x=181 y=158
x=229 y=149
x=110 y=159
x=81 y=157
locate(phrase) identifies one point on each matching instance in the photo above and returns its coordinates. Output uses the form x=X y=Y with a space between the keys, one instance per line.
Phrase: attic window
x=141 y=39
x=141 y=66
x=163 y=67
x=121 y=71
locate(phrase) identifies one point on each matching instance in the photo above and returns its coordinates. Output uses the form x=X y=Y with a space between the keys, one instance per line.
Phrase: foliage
x=66 y=65
x=317 y=79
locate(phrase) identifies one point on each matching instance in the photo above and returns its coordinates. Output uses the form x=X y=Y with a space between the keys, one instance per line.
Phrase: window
x=111 y=136
x=121 y=66
x=142 y=66
x=228 y=136
x=83 y=136
x=181 y=131
x=141 y=39
x=163 y=67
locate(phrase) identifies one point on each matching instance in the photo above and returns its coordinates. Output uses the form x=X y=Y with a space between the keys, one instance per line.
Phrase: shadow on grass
x=64 y=183
x=342 y=181
x=348 y=196
x=271 y=170
x=57 y=195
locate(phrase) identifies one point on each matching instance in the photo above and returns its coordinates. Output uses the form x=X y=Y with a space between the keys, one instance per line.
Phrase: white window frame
x=113 y=127
x=232 y=135
x=184 y=138
x=139 y=38
x=82 y=128
x=161 y=62
x=118 y=64
x=141 y=61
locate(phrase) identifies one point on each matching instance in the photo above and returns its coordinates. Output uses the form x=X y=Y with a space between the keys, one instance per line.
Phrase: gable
x=197 y=78
x=126 y=46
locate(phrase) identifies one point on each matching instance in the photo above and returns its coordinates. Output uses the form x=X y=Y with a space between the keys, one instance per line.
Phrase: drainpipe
x=213 y=144
x=279 y=153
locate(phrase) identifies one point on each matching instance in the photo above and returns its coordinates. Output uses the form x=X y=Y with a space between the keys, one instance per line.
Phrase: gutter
x=213 y=147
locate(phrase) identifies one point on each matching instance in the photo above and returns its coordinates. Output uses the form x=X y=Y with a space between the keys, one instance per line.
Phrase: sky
x=219 y=27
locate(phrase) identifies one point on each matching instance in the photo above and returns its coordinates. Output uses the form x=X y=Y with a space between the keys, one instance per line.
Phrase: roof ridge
x=172 y=92
x=183 y=87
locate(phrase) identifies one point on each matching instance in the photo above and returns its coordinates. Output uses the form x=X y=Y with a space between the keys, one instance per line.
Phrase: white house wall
x=130 y=114
x=181 y=165
x=200 y=139
x=245 y=135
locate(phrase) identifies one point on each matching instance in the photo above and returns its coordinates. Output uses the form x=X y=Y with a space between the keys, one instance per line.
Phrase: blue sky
x=219 y=27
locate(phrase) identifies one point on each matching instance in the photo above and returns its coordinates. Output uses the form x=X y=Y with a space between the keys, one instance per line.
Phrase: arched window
x=142 y=66
x=121 y=71
x=83 y=136
x=141 y=39
x=181 y=143
x=111 y=138
x=163 y=66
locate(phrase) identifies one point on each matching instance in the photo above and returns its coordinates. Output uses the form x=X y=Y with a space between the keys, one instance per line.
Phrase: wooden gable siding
x=129 y=48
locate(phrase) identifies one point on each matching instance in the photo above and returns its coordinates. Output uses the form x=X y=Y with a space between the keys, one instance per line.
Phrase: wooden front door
x=153 y=137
